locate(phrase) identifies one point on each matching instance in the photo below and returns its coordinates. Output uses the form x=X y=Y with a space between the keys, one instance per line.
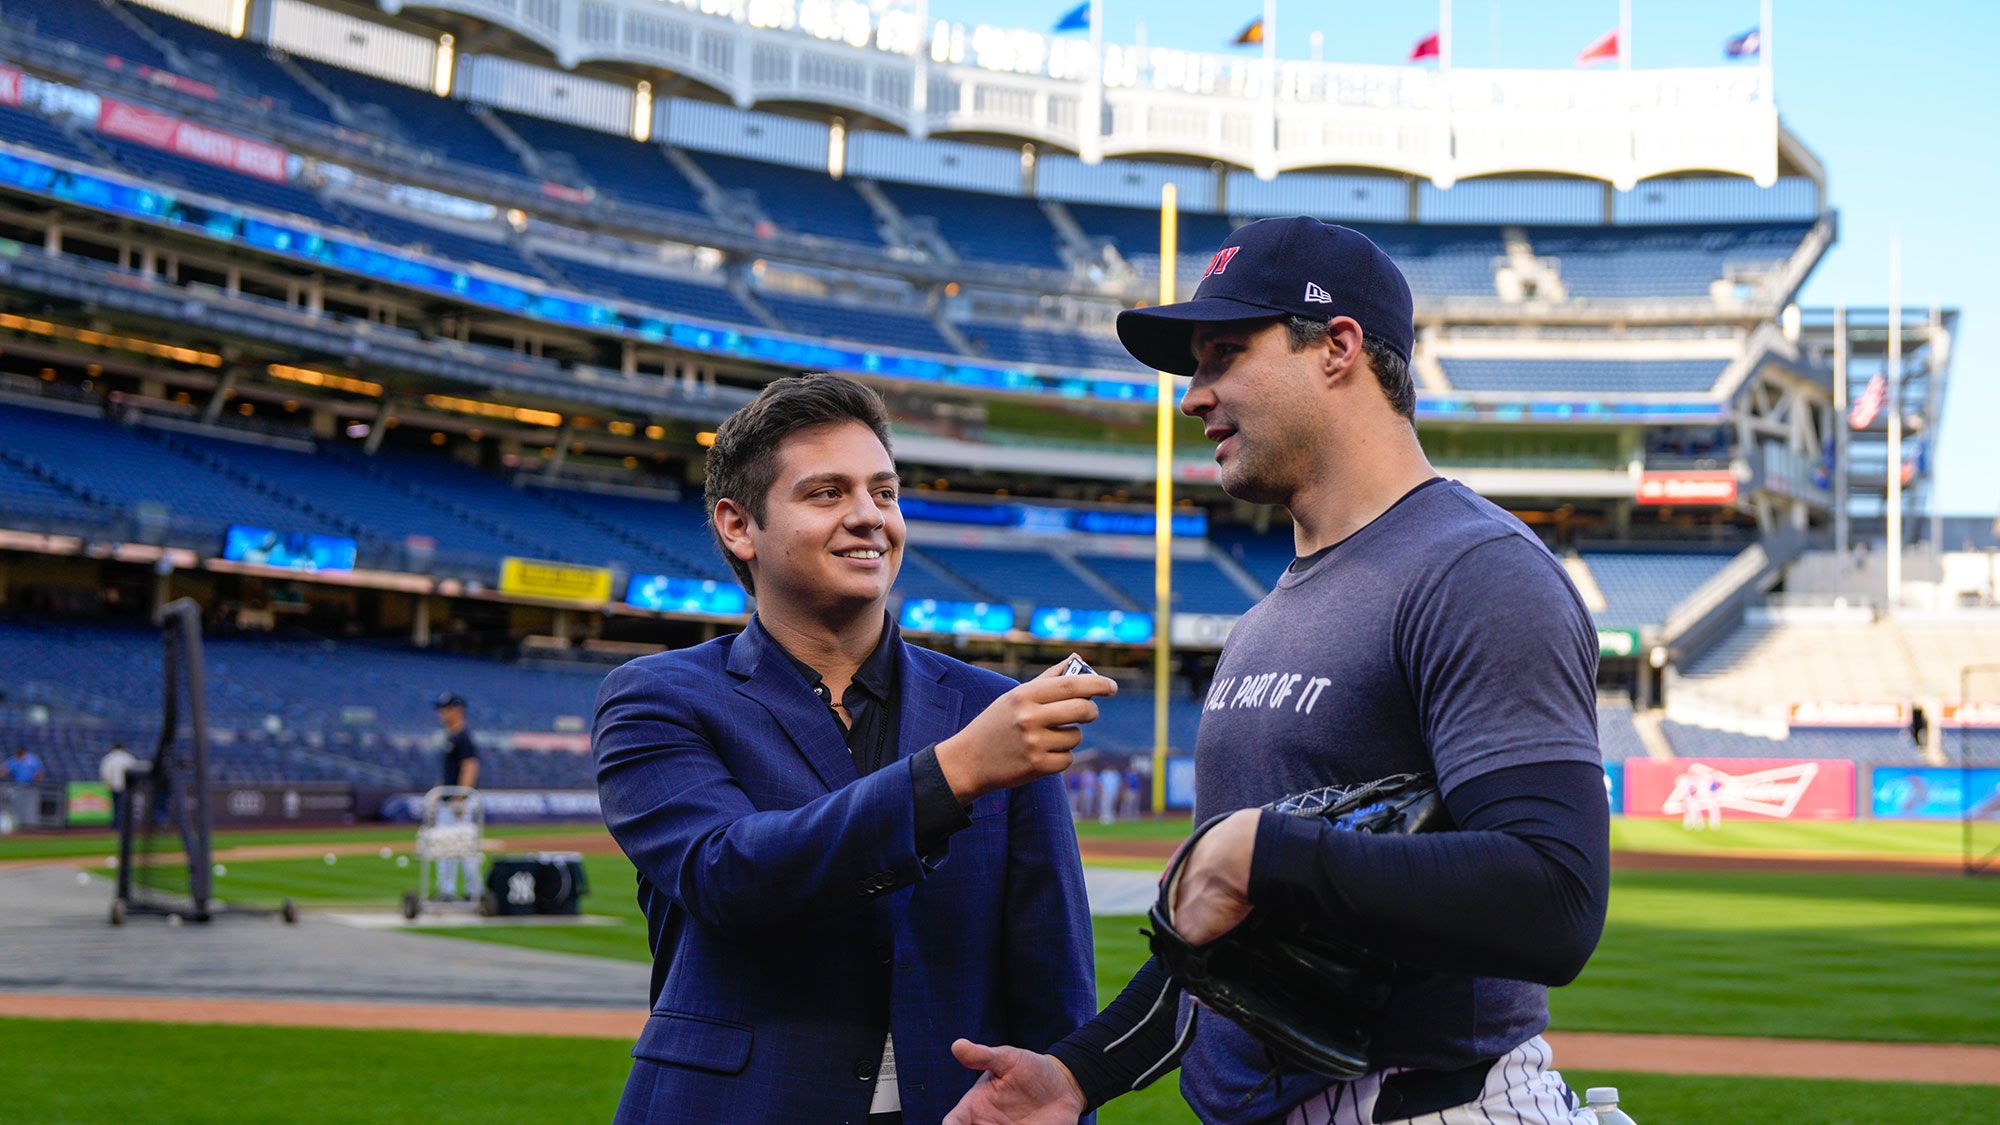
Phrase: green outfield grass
x=171 y=1074
x=1892 y=838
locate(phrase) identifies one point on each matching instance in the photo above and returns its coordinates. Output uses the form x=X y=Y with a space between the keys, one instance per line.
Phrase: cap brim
x=1162 y=337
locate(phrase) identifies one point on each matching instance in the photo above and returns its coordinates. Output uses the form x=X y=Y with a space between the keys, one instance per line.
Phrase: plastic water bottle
x=1603 y=1101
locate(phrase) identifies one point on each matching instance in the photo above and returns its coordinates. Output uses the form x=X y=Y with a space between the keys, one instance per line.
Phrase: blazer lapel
x=766 y=677
x=930 y=708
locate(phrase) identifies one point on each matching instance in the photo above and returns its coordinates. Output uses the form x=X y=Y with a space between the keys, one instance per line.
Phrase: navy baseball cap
x=1280 y=267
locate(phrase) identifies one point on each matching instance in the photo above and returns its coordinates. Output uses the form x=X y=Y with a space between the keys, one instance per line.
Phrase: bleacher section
x=1054 y=347
x=1678 y=261
x=989 y=228
x=242 y=64
x=1769 y=661
x=1616 y=736
x=628 y=169
x=32 y=129
x=219 y=183
x=443 y=124
x=1265 y=556
x=1588 y=376
x=805 y=202
x=91 y=24
x=866 y=324
x=671 y=294
x=407 y=230
x=1009 y=576
x=1640 y=587
x=1199 y=586
x=1879 y=747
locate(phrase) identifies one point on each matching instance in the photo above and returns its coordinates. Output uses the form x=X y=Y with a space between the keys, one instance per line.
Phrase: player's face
x=1255 y=398
x=832 y=532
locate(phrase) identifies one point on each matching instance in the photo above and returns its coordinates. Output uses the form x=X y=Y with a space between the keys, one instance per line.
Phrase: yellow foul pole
x=1163 y=513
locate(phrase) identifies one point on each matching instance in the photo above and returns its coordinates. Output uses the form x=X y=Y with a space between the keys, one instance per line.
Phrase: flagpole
x=1840 y=428
x=1894 y=462
x=1444 y=36
x=1091 y=150
x=1163 y=506
x=1764 y=49
x=1267 y=132
x=1624 y=34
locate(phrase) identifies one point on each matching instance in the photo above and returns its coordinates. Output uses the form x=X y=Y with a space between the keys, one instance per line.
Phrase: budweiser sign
x=1767 y=788
x=1707 y=486
x=168 y=133
x=1850 y=713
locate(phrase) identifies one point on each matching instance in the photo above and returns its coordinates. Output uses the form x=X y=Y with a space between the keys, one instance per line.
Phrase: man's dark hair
x=1391 y=370
x=743 y=462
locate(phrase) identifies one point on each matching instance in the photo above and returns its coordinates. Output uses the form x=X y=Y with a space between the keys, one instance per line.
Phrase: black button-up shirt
x=872 y=702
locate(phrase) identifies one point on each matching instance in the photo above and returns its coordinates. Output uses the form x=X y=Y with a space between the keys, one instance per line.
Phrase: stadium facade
x=393 y=335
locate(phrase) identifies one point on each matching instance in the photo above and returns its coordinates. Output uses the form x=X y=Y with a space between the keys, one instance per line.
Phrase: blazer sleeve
x=1051 y=965
x=687 y=825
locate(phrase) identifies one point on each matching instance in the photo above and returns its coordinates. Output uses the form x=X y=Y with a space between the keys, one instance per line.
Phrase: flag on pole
x=1426 y=48
x=1602 y=49
x=1252 y=34
x=1822 y=474
x=1873 y=398
x=1915 y=461
x=1748 y=45
x=1076 y=19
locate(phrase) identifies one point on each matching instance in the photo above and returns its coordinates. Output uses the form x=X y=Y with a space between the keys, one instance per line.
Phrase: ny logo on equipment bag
x=1317 y=295
x=1221 y=260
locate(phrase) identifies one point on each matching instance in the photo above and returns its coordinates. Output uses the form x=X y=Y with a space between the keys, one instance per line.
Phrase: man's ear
x=732 y=523
x=1341 y=353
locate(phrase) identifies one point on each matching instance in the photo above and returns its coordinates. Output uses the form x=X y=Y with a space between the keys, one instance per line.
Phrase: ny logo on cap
x=1221 y=260
x=1317 y=295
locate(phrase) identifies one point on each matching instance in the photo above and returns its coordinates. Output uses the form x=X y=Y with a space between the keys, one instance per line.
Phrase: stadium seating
x=1265 y=556
x=235 y=62
x=90 y=24
x=1870 y=746
x=219 y=183
x=1034 y=577
x=1769 y=662
x=1587 y=376
x=675 y=531
x=867 y=324
x=1007 y=230
x=806 y=202
x=922 y=578
x=443 y=124
x=1679 y=261
x=628 y=169
x=408 y=230
x=668 y=294
x=1052 y=347
x=1640 y=587
x=18 y=126
x=1199 y=585
x=1616 y=736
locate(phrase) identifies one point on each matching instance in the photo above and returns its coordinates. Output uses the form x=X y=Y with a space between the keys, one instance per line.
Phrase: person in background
x=461 y=768
x=111 y=769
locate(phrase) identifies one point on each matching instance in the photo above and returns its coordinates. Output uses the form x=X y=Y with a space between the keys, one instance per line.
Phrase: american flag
x=1873 y=398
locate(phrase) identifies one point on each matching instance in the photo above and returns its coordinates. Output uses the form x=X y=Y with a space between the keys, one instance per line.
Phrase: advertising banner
x=1849 y=714
x=10 y=86
x=1932 y=792
x=168 y=133
x=1614 y=788
x=509 y=804
x=1758 y=788
x=562 y=582
x=982 y=619
x=1975 y=713
x=295 y=550
x=686 y=595
x=1694 y=487
x=1180 y=781
x=1096 y=625
x=1618 y=642
x=87 y=804
x=302 y=803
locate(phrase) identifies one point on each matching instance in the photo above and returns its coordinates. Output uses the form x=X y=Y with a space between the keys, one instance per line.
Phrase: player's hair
x=1391 y=370
x=743 y=462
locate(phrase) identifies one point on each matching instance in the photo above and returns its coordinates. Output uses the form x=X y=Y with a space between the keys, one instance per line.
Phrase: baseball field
x=1763 y=972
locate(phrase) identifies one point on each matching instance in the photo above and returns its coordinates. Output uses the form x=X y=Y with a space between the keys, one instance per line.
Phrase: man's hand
x=1018 y=1088
x=1022 y=736
x=1214 y=892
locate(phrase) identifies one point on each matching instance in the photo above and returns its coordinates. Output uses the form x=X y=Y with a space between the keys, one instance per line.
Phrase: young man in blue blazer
x=851 y=850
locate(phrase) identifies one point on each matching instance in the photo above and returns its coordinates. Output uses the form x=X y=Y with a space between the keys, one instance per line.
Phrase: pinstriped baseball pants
x=1521 y=1089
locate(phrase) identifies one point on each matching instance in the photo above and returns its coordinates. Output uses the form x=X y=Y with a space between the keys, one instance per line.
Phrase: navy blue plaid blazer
x=793 y=923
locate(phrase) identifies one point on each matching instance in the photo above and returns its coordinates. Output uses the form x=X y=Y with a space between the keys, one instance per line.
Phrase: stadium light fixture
x=642 y=112
x=441 y=72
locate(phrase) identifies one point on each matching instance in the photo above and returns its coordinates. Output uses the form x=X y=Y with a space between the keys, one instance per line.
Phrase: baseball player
x=461 y=768
x=1420 y=629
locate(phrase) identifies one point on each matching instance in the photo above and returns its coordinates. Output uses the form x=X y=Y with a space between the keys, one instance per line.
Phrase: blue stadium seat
x=455 y=248
x=89 y=23
x=1011 y=576
x=220 y=183
x=1585 y=376
x=1616 y=736
x=30 y=499
x=1005 y=229
x=922 y=578
x=631 y=170
x=676 y=531
x=239 y=63
x=1136 y=233
x=867 y=324
x=1866 y=746
x=1199 y=585
x=674 y=295
x=1673 y=261
x=798 y=200
x=444 y=124
x=1264 y=556
x=1640 y=587
x=1050 y=347
x=25 y=127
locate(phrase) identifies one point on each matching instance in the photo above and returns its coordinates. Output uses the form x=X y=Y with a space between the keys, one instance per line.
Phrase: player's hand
x=1214 y=893
x=1018 y=1088
x=1022 y=736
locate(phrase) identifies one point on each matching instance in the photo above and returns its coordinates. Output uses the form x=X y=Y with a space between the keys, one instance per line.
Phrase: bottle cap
x=1601 y=1095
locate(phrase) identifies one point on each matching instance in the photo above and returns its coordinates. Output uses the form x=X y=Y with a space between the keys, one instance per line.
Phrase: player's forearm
x=1142 y=1030
x=1519 y=891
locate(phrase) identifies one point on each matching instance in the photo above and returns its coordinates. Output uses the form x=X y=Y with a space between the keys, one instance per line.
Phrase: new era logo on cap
x=1297 y=266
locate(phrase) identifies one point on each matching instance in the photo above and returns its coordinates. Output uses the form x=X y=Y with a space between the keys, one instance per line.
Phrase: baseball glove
x=1306 y=994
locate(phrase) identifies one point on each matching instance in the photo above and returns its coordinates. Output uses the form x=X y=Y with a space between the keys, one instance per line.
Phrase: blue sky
x=1901 y=103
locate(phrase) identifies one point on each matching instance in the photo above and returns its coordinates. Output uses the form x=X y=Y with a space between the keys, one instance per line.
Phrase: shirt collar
x=877 y=674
